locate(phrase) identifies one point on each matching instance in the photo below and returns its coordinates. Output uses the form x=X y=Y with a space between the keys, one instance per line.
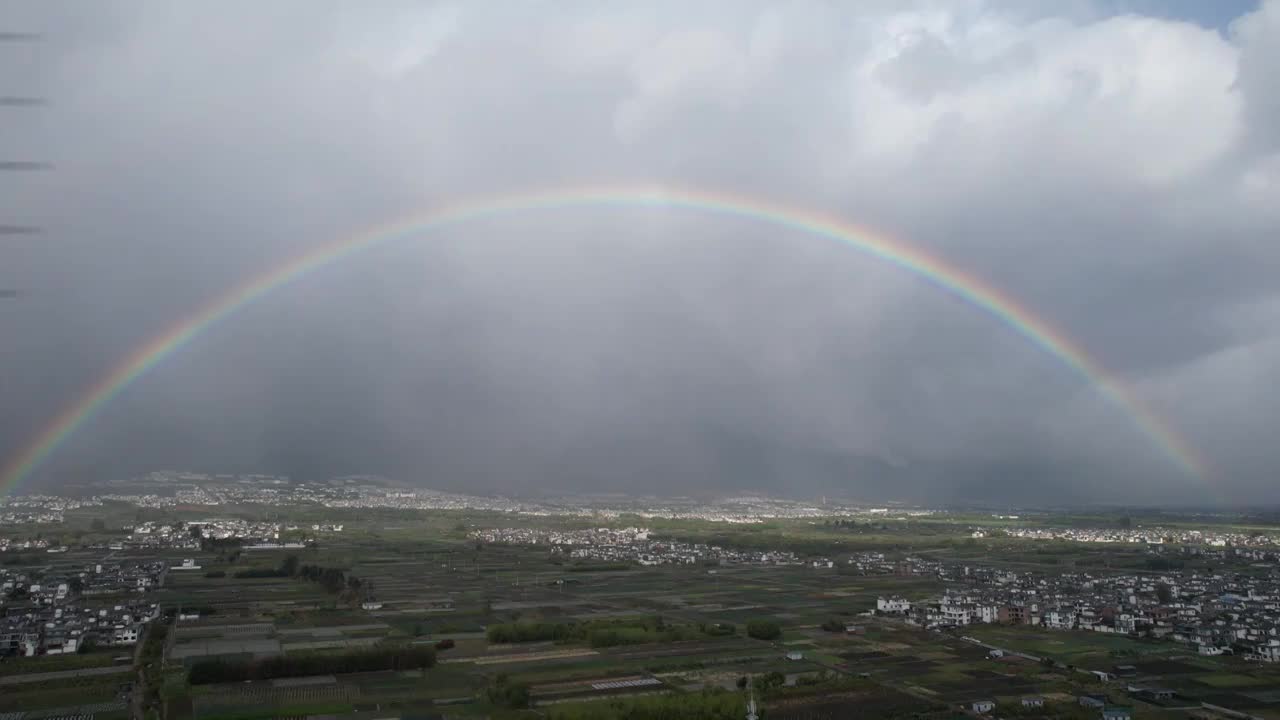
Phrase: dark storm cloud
x=1116 y=174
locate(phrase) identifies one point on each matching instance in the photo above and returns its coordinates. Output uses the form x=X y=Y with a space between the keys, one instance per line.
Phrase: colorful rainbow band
x=945 y=277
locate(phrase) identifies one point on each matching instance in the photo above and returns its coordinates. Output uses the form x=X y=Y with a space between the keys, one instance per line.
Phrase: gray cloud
x=1115 y=173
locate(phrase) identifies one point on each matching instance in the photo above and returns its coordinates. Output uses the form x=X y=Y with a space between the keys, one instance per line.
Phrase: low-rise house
x=1158 y=694
x=982 y=706
x=894 y=605
x=1092 y=701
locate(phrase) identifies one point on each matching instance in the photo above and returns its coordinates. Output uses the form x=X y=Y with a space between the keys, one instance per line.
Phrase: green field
x=432 y=583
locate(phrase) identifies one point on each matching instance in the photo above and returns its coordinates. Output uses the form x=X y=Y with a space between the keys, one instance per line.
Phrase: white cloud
x=1118 y=96
x=398 y=41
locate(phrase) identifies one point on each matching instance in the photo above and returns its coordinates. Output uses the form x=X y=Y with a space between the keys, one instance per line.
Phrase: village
x=634 y=545
x=51 y=612
x=46 y=630
x=1215 y=613
x=1155 y=535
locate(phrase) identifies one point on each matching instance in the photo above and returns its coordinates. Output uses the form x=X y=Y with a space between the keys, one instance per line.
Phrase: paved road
x=64 y=674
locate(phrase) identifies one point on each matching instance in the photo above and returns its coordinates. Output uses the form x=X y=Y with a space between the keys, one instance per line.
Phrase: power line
x=19 y=101
x=22 y=165
x=19 y=230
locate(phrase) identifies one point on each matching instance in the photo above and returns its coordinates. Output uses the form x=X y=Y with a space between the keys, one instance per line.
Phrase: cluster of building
x=170 y=489
x=368 y=496
x=27 y=544
x=30 y=517
x=1034 y=703
x=55 y=503
x=226 y=529
x=633 y=545
x=65 y=628
x=153 y=535
x=39 y=509
x=1215 y=612
x=1156 y=535
x=549 y=536
x=44 y=587
x=732 y=510
x=45 y=610
x=190 y=535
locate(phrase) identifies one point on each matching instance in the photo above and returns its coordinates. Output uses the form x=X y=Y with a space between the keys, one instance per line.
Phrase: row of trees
x=332 y=579
x=252 y=573
x=706 y=705
x=284 y=666
x=604 y=633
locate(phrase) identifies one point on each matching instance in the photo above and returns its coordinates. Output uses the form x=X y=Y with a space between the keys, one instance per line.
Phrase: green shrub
x=764 y=629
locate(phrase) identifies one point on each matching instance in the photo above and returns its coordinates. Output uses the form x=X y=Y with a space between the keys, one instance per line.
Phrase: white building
x=893 y=605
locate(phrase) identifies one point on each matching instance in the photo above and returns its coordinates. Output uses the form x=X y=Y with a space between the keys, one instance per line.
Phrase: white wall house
x=892 y=605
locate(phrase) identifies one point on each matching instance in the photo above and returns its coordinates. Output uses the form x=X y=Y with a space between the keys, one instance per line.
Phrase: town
x=633 y=545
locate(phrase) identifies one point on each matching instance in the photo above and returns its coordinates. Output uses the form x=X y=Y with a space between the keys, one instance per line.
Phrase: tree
x=761 y=629
x=771 y=679
x=1126 y=522
x=508 y=694
x=290 y=566
x=1164 y=593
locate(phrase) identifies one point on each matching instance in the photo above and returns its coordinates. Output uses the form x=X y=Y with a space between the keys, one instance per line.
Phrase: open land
x=536 y=629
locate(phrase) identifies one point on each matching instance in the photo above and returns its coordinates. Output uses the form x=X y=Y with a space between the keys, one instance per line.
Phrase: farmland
x=488 y=629
x=446 y=590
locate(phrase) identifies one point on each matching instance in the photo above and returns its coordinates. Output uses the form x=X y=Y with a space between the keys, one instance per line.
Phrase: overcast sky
x=1115 y=166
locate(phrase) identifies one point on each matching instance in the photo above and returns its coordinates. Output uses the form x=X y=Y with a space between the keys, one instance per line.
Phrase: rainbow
x=948 y=278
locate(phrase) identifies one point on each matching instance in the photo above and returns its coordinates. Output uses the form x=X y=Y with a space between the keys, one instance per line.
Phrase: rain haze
x=1112 y=167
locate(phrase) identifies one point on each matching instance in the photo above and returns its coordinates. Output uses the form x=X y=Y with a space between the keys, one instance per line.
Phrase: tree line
x=605 y=633
x=705 y=705
x=332 y=579
x=286 y=666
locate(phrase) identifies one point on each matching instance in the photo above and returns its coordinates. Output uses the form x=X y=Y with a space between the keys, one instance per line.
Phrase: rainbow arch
x=932 y=269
